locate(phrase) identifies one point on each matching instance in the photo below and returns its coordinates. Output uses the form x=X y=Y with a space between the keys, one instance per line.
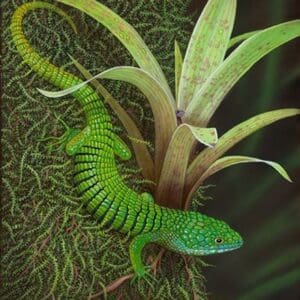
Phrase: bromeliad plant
x=202 y=80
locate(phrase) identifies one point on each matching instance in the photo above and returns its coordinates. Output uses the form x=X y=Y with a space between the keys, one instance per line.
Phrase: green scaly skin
x=101 y=188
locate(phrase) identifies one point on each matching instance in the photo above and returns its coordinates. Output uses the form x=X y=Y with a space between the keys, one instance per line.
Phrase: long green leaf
x=271 y=76
x=208 y=99
x=178 y=68
x=171 y=181
x=240 y=38
x=207 y=47
x=228 y=161
x=208 y=156
x=163 y=109
x=142 y=155
x=126 y=34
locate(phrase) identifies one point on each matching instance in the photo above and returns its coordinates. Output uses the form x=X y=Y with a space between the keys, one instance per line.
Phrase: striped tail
x=100 y=186
x=86 y=96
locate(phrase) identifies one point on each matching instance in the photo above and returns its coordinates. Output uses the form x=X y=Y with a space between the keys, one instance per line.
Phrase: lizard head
x=195 y=234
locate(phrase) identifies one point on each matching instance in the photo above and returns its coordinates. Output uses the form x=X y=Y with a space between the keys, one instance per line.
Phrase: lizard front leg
x=135 y=251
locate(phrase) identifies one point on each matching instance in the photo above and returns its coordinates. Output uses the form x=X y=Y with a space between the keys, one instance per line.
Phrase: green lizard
x=102 y=189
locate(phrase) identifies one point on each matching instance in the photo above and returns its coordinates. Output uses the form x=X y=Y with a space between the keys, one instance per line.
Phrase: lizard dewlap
x=102 y=189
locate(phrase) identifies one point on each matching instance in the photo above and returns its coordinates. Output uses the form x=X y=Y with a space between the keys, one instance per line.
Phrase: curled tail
x=37 y=63
x=86 y=96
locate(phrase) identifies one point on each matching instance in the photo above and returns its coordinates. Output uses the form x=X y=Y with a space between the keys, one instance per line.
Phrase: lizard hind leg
x=58 y=143
x=71 y=140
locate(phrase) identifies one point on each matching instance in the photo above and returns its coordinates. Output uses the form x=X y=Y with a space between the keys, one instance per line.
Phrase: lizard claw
x=144 y=274
x=62 y=140
x=59 y=142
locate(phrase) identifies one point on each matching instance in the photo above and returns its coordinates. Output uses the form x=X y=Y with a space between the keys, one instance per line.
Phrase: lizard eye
x=218 y=240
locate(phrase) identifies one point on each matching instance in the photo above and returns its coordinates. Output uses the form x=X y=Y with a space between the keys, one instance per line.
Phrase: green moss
x=51 y=247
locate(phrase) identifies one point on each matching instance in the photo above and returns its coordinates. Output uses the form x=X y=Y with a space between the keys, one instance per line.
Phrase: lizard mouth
x=230 y=247
x=215 y=250
x=227 y=248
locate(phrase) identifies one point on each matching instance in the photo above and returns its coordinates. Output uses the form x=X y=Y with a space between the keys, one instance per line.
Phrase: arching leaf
x=208 y=156
x=207 y=47
x=126 y=34
x=142 y=155
x=163 y=108
x=208 y=99
x=240 y=38
x=178 y=68
x=228 y=161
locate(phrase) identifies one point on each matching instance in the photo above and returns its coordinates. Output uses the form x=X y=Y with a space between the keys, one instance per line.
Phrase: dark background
x=263 y=207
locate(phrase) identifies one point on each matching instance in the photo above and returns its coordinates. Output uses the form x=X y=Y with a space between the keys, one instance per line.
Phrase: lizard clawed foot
x=59 y=143
x=135 y=249
x=144 y=274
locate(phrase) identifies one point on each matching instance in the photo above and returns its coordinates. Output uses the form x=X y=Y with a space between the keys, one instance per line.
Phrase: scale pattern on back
x=102 y=189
